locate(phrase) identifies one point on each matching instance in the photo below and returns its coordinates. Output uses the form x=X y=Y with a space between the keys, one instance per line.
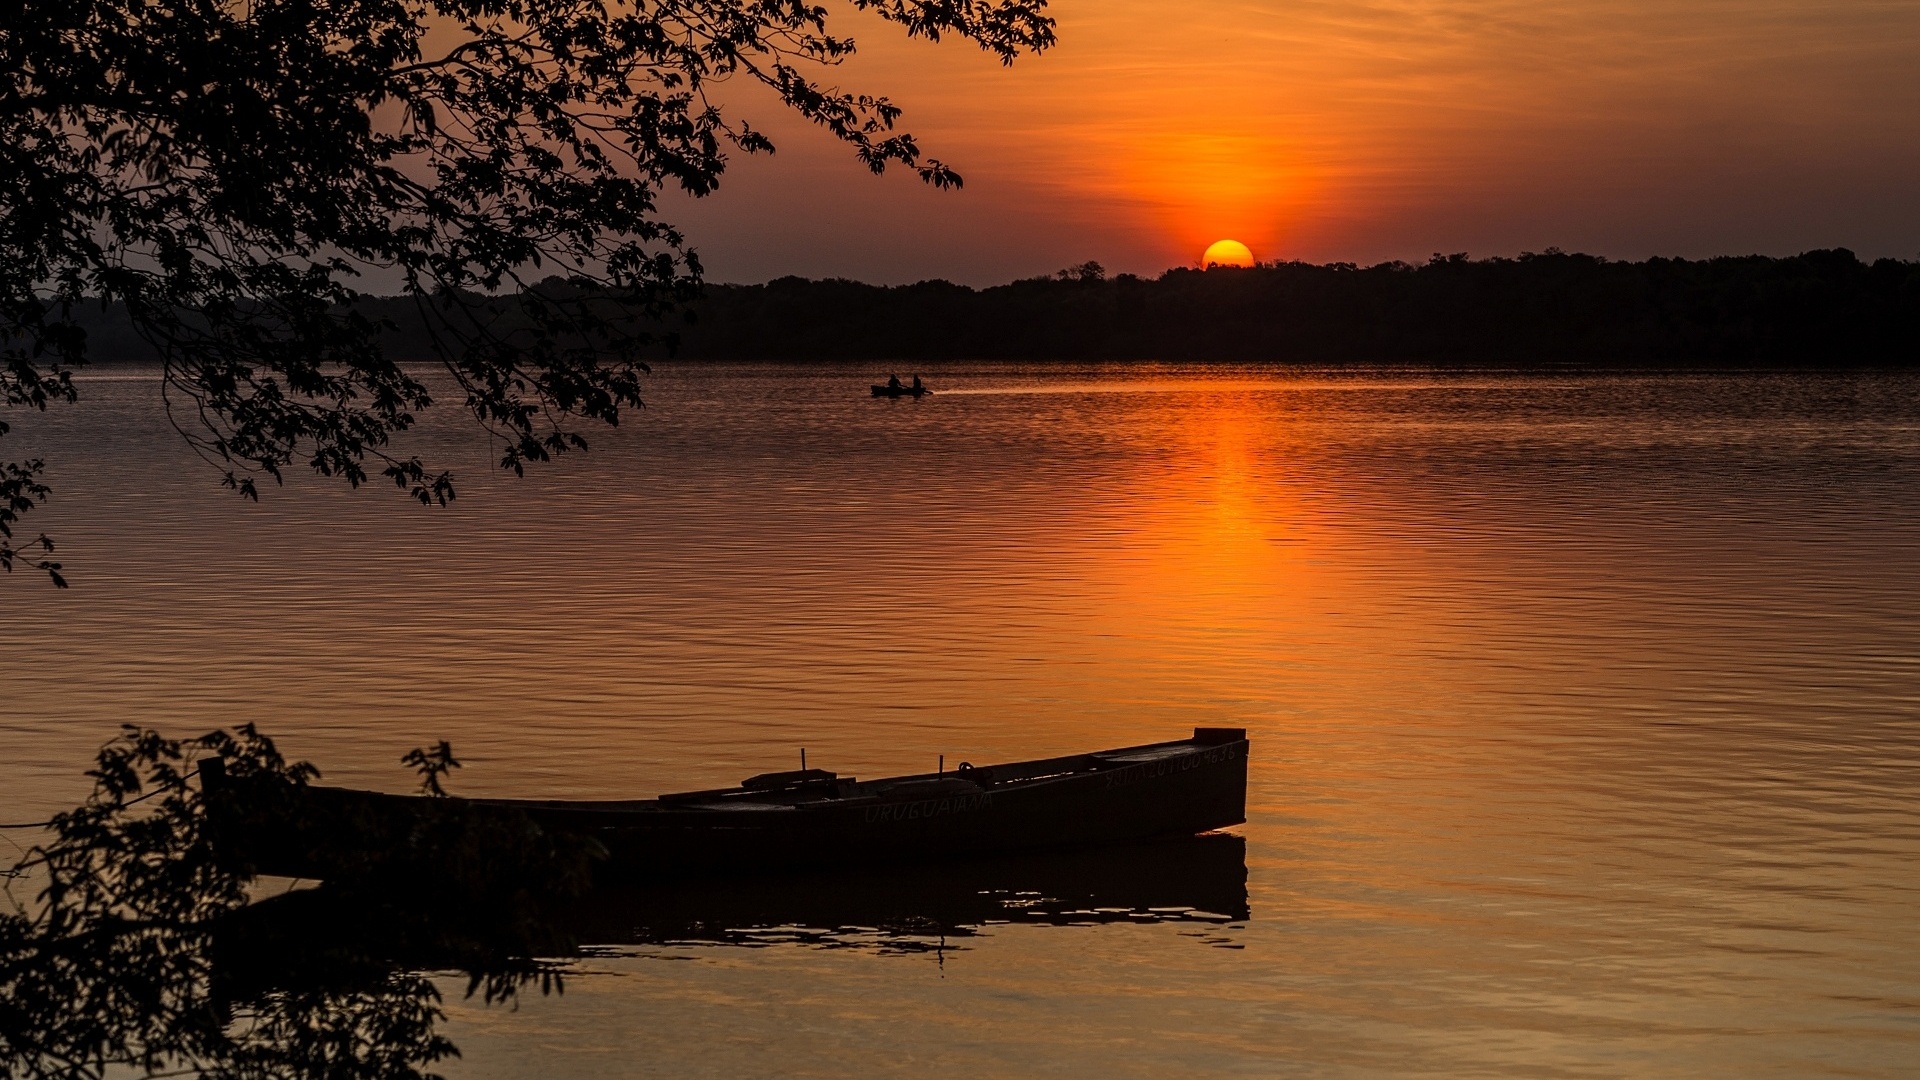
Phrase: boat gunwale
x=1077 y=766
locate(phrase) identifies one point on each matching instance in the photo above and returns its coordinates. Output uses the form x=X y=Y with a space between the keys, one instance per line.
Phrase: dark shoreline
x=1553 y=311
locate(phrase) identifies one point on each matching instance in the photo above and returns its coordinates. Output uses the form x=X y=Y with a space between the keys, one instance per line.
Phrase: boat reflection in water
x=328 y=937
x=1198 y=879
x=337 y=959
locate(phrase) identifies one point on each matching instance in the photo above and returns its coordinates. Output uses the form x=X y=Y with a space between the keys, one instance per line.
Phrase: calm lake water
x=1585 y=710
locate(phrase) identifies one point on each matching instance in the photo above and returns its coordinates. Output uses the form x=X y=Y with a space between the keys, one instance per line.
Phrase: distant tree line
x=1822 y=307
x=1819 y=308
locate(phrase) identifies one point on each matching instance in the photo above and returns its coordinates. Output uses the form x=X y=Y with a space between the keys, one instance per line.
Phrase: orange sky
x=1362 y=131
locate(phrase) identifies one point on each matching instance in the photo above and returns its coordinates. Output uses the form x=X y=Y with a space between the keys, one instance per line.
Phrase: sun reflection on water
x=1580 y=706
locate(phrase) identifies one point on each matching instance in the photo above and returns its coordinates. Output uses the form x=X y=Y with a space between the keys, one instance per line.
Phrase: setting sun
x=1227 y=253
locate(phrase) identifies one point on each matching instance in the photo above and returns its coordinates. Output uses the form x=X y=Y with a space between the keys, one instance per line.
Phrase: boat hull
x=1130 y=794
x=1192 y=794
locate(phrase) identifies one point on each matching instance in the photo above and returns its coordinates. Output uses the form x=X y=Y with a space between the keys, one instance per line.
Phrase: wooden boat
x=899 y=391
x=775 y=821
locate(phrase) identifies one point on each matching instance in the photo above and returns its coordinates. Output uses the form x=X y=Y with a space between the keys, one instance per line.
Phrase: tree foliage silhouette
x=139 y=951
x=227 y=170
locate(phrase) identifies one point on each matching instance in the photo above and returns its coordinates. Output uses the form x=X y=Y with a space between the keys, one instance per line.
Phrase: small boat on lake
x=802 y=819
x=896 y=390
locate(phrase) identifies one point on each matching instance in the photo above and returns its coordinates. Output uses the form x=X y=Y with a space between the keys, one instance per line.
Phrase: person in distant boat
x=893 y=383
x=917 y=388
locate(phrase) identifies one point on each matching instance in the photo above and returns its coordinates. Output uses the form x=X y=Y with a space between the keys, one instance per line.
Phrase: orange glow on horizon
x=1191 y=188
x=1356 y=134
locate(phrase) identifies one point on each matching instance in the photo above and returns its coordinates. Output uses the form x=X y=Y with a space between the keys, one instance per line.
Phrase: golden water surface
x=1585 y=710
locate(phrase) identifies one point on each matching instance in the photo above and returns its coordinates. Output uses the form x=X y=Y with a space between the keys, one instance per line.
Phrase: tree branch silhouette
x=226 y=170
